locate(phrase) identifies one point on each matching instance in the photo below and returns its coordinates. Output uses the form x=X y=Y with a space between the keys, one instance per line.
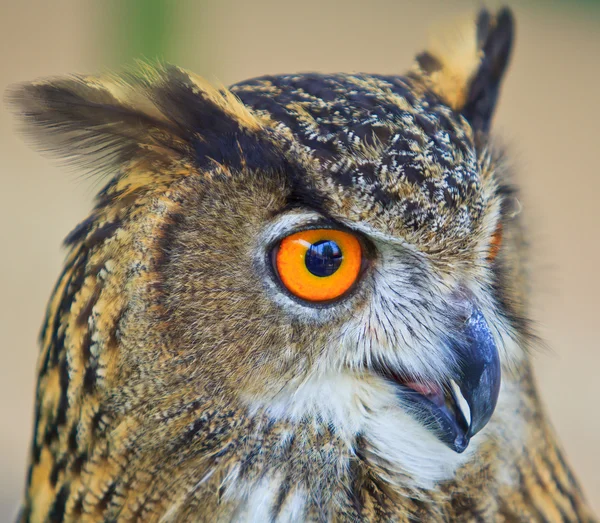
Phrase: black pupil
x=323 y=258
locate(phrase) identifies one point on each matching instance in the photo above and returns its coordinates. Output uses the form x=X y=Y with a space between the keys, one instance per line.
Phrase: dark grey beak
x=479 y=366
x=477 y=380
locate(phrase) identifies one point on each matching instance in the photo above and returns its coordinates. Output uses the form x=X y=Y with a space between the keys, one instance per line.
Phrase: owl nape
x=302 y=298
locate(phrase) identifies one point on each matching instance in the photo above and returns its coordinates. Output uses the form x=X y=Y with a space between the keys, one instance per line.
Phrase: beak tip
x=461 y=443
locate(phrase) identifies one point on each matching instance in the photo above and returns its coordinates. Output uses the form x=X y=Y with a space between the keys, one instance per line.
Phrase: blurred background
x=549 y=116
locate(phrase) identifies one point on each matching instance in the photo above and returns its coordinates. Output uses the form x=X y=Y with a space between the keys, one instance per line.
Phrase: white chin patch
x=369 y=406
x=414 y=456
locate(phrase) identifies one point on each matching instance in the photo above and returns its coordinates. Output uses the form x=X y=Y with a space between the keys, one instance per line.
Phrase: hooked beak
x=459 y=409
x=480 y=372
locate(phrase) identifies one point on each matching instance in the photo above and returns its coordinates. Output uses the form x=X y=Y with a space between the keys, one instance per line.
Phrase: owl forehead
x=386 y=151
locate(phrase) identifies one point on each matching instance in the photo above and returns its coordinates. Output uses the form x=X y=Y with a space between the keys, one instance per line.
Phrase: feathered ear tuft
x=464 y=67
x=103 y=122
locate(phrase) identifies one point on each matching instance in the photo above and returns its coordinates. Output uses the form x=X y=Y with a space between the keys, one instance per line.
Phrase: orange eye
x=495 y=243
x=319 y=264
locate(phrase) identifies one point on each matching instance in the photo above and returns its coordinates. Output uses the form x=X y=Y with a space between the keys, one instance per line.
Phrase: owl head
x=330 y=250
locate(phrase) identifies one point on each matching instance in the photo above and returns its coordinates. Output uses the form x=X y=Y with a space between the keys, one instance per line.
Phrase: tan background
x=549 y=115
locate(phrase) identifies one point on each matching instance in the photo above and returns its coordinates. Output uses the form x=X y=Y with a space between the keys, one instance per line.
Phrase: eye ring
x=318 y=265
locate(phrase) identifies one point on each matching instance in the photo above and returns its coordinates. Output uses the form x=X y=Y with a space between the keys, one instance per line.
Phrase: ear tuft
x=465 y=66
x=102 y=122
x=94 y=122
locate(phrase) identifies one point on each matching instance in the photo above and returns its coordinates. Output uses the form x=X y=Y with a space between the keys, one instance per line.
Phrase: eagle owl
x=302 y=298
